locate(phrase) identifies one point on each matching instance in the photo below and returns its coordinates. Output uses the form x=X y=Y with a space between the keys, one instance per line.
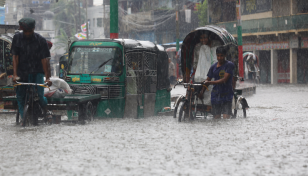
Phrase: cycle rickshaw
x=187 y=107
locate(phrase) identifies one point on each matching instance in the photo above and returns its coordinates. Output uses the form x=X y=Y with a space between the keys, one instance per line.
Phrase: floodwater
x=273 y=140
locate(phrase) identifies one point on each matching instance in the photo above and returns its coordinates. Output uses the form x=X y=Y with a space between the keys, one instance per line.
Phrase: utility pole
x=239 y=39
x=87 y=24
x=114 y=19
x=177 y=25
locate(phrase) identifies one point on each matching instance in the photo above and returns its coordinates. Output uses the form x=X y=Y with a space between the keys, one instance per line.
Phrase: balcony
x=266 y=26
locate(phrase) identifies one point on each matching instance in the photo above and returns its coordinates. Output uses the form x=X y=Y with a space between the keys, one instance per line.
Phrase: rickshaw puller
x=30 y=52
x=222 y=93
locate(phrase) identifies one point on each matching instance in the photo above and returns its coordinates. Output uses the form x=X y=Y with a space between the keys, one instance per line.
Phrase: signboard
x=294 y=42
x=255 y=6
x=267 y=46
x=304 y=43
x=7 y=62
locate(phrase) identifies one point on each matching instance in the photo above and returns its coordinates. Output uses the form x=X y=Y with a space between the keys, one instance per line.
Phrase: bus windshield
x=86 y=60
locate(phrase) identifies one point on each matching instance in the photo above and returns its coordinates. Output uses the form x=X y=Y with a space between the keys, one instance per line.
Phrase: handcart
x=82 y=107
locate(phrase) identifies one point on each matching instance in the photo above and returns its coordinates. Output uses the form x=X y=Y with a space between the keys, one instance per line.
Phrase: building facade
x=98 y=20
x=155 y=20
x=275 y=30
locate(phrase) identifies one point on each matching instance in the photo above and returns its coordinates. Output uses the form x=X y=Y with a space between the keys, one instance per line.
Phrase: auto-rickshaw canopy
x=218 y=36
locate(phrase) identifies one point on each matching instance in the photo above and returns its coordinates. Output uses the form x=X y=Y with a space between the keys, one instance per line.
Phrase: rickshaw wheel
x=89 y=110
x=244 y=112
x=235 y=115
x=182 y=114
x=177 y=103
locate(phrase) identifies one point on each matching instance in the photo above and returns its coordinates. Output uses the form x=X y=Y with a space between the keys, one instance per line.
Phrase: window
x=87 y=60
x=302 y=6
x=99 y=22
x=93 y=22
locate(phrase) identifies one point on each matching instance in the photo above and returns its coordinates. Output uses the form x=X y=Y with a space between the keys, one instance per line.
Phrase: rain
x=127 y=69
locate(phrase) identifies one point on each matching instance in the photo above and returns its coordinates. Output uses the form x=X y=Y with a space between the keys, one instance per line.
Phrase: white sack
x=58 y=89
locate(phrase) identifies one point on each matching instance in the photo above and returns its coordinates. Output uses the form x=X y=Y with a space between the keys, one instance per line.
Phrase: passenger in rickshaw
x=222 y=93
x=204 y=57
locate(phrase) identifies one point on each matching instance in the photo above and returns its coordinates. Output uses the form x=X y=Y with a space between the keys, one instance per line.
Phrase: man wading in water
x=30 y=52
x=222 y=93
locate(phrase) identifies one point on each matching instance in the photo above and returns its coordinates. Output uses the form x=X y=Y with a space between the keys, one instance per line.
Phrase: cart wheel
x=182 y=114
x=89 y=111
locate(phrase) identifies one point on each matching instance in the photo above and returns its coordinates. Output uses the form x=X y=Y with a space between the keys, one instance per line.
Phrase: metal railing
x=284 y=23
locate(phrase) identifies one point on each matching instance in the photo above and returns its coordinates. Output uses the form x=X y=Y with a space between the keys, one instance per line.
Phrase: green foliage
x=66 y=19
x=63 y=39
x=202 y=13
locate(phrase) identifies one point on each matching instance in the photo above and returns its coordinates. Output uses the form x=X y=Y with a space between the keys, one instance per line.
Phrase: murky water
x=271 y=141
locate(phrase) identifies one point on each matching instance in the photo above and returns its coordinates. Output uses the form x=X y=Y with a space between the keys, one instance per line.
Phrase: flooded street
x=273 y=140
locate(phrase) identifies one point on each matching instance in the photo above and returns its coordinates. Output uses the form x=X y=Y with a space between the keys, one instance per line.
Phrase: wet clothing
x=207 y=57
x=222 y=93
x=203 y=59
x=223 y=108
x=21 y=92
x=30 y=68
x=30 y=52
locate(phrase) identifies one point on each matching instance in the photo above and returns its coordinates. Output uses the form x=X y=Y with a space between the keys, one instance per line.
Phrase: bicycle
x=32 y=108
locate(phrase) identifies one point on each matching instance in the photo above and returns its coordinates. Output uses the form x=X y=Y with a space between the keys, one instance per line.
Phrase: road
x=273 y=140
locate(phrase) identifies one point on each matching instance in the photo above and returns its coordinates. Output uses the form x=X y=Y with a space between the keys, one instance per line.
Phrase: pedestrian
x=172 y=77
x=222 y=93
x=30 y=52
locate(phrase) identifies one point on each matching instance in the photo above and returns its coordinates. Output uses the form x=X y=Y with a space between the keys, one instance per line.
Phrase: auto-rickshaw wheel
x=89 y=111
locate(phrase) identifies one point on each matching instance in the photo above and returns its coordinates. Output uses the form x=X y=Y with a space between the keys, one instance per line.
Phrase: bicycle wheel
x=27 y=117
x=36 y=113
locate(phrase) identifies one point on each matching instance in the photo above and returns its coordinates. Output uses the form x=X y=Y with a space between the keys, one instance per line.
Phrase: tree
x=66 y=20
x=202 y=13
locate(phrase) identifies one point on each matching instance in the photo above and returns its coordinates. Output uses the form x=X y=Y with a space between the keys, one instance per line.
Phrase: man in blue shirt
x=30 y=52
x=222 y=93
